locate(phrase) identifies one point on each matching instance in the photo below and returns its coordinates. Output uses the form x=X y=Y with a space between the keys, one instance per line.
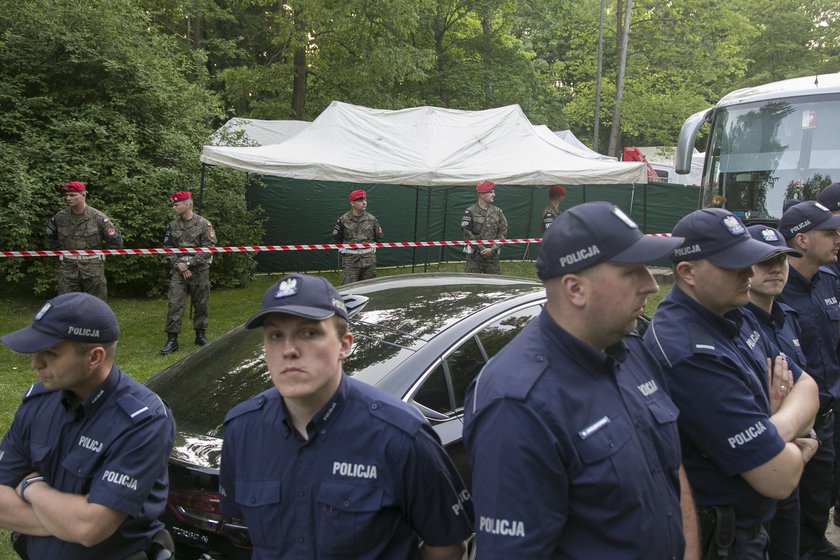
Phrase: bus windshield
x=761 y=154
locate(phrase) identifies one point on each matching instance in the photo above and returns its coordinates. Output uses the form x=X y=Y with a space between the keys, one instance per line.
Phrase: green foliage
x=91 y=92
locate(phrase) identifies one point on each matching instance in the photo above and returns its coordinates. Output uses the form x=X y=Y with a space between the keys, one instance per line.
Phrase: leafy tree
x=90 y=91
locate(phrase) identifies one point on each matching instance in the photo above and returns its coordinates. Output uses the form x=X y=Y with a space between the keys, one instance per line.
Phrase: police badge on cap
x=734 y=225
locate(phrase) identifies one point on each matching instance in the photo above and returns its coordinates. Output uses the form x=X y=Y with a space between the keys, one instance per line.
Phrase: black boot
x=170 y=346
x=200 y=339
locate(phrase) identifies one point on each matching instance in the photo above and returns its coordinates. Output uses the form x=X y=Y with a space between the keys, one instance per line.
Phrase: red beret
x=73 y=186
x=180 y=196
x=485 y=187
x=558 y=189
x=356 y=195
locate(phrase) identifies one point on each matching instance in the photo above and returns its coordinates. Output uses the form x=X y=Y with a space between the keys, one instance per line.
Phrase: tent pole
x=445 y=213
x=414 y=249
x=644 y=208
x=528 y=228
x=428 y=225
x=201 y=187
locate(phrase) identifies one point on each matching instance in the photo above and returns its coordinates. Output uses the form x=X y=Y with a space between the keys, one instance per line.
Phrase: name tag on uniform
x=591 y=429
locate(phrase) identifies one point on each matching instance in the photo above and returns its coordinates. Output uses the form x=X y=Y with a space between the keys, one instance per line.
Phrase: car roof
x=390 y=329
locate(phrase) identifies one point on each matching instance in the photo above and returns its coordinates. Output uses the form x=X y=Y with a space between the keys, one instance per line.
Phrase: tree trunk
x=197 y=42
x=596 y=133
x=440 y=56
x=299 y=82
x=619 y=82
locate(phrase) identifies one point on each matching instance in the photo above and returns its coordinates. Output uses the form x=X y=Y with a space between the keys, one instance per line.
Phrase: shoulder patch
x=34 y=390
x=136 y=410
x=252 y=404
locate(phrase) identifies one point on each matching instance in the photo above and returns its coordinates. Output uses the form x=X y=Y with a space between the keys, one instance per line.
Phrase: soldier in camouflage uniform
x=357 y=225
x=189 y=272
x=556 y=196
x=482 y=220
x=80 y=226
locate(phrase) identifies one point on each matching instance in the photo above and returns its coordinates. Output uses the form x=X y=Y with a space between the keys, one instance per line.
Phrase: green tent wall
x=304 y=212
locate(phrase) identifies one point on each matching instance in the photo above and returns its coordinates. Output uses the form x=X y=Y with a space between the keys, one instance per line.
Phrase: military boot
x=170 y=346
x=200 y=339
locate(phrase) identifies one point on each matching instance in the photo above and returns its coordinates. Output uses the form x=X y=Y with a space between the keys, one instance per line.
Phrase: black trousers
x=815 y=487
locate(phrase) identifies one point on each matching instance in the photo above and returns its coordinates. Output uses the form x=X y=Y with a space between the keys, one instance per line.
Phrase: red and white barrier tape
x=263 y=248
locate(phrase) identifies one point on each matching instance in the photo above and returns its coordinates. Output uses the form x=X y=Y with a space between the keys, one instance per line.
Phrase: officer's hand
x=186 y=273
x=486 y=252
x=780 y=381
x=808 y=446
x=181 y=267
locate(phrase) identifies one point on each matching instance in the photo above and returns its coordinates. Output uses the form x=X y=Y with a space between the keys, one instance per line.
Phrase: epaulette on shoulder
x=135 y=409
x=701 y=341
x=527 y=374
x=396 y=416
x=252 y=404
x=35 y=390
x=788 y=309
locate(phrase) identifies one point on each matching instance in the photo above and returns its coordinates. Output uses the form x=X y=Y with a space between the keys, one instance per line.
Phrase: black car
x=420 y=337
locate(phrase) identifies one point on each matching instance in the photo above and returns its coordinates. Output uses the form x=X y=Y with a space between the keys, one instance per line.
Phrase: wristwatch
x=24 y=484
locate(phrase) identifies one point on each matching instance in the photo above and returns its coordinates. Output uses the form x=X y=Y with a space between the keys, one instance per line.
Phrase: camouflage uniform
x=89 y=230
x=195 y=232
x=550 y=214
x=359 y=264
x=479 y=223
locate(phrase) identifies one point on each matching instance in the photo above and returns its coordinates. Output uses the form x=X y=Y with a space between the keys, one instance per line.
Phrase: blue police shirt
x=114 y=446
x=371 y=479
x=781 y=326
x=819 y=321
x=717 y=375
x=575 y=452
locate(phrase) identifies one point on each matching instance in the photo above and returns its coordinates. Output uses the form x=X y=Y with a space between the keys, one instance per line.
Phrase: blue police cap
x=73 y=316
x=788 y=203
x=773 y=237
x=717 y=235
x=806 y=216
x=594 y=233
x=830 y=197
x=312 y=297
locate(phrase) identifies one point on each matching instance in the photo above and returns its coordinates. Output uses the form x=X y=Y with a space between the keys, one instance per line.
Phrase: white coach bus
x=767 y=144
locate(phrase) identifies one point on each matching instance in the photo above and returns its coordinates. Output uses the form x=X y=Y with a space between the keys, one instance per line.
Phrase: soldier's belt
x=82 y=257
x=359 y=251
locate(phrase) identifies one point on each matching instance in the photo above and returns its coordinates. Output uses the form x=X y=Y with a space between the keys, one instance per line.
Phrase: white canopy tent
x=662 y=158
x=569 y=137
x=425 y=146
x=255 y=132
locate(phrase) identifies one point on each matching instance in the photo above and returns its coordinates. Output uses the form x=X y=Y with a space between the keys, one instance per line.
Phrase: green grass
x=141 y=333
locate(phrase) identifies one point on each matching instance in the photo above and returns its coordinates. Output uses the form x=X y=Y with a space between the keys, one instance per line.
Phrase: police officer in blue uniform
x=83 y=468
x=572 y=437
x=779 y=323
x=324 y=466
x=830 y=198
x=811 y=228
x=741 y=452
